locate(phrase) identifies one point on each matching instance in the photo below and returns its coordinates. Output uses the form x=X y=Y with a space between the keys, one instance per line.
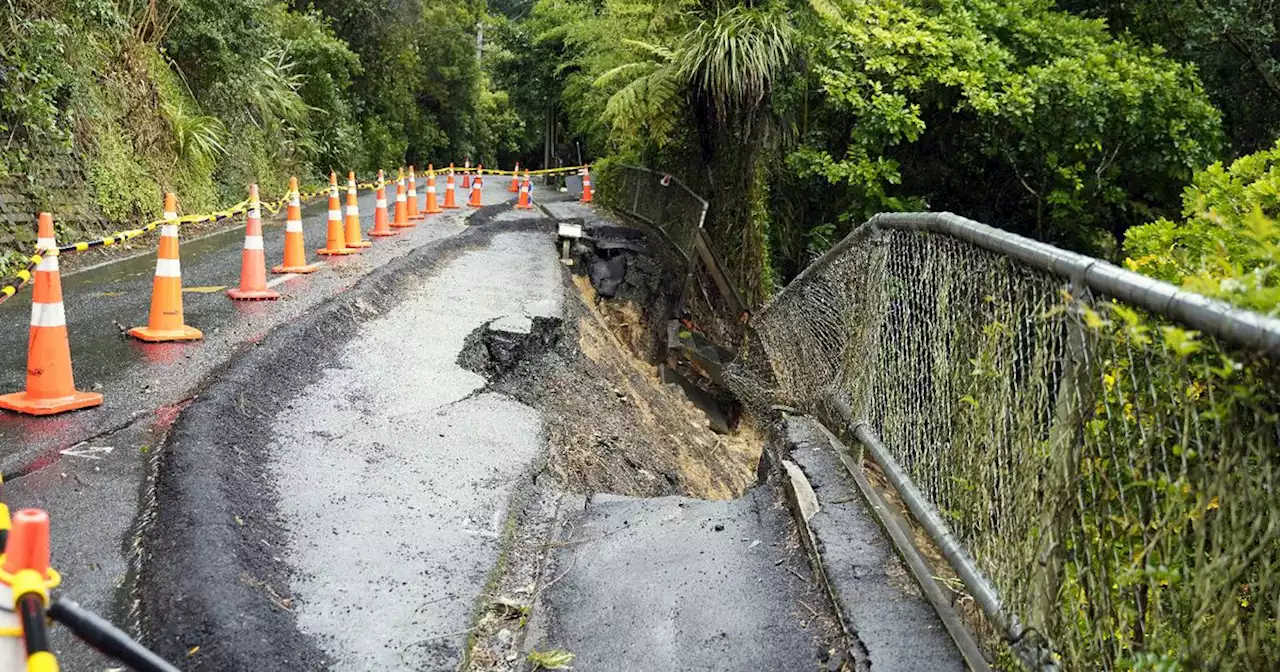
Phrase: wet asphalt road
x=708 y=586
x=428 y=461
x=136 y=377
x=347 y=513
x=90 y=469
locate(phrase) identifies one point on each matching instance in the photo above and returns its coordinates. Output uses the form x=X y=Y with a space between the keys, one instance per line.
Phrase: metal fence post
x=1065 y=444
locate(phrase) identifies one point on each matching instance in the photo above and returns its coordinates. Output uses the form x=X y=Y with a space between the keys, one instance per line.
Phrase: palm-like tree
x=723 y=66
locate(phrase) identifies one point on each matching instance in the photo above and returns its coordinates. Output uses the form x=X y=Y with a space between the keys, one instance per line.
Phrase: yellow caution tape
x=498 y=171
x=24 y=276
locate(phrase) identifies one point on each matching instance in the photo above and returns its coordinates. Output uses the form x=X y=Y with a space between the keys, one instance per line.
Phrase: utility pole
x=549 y=147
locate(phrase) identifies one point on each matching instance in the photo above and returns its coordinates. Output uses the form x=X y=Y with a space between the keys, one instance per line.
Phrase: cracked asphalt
x=327 y=482
x=427 y=460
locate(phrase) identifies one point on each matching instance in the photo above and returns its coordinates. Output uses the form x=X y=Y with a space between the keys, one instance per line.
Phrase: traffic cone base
x=183 y=333
x=252 y=294
x=301 y=270
x=21 y=402
x=335 y=252
x=381 y=234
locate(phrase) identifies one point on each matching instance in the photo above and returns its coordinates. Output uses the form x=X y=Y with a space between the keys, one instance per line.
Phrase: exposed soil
x=612 y=425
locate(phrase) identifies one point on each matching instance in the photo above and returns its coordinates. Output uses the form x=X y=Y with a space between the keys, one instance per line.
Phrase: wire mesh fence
x=677 y=214
x=1113 y=473
x=659 y=200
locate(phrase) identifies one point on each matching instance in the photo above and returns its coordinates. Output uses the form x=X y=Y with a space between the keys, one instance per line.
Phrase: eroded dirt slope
x=612 y=425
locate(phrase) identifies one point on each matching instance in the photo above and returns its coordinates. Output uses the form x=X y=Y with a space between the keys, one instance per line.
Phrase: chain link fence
x=677 y=214
x=1096 y=453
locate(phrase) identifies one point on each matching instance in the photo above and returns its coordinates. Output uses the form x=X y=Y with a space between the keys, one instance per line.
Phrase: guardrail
x=678 y=214
x=1096 y=454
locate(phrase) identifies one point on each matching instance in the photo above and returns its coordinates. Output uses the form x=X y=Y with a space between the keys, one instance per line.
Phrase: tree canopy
x=1073 y=121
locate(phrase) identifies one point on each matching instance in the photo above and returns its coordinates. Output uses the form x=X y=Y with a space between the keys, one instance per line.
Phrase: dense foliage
x=1009 y=112
x=801 y=119
x=106 y=104
x=1235 y=45
x=1227 y=244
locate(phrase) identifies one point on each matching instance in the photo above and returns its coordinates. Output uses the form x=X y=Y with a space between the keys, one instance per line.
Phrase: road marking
x=289 y=276
x=89 y=452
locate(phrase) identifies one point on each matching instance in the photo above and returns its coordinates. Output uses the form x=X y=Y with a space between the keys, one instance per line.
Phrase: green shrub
x=1228 y=243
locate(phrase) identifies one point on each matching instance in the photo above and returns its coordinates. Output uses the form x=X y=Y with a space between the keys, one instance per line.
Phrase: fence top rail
x=1239 y=327
x=675 y=180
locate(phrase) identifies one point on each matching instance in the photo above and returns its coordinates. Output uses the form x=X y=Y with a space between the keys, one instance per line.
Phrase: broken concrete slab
x=802 y=492
x=515 y=324
x=879 y=601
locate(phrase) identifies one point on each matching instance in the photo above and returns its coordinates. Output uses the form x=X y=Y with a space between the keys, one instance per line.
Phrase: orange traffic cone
x=165 y=323
x=449 y=202
x=476 y=189
x=50 y=385
x=381 y=226
x=414 y=215
x=466 y=174
x=402 y=206
x=354 y=241
x=526 y=194
x=587 y=193
x=27 y=546
x=27 y=578
x=433 y=208
x=515 y=180
x=336 y=243
x=295 y=247
x=253 y=262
